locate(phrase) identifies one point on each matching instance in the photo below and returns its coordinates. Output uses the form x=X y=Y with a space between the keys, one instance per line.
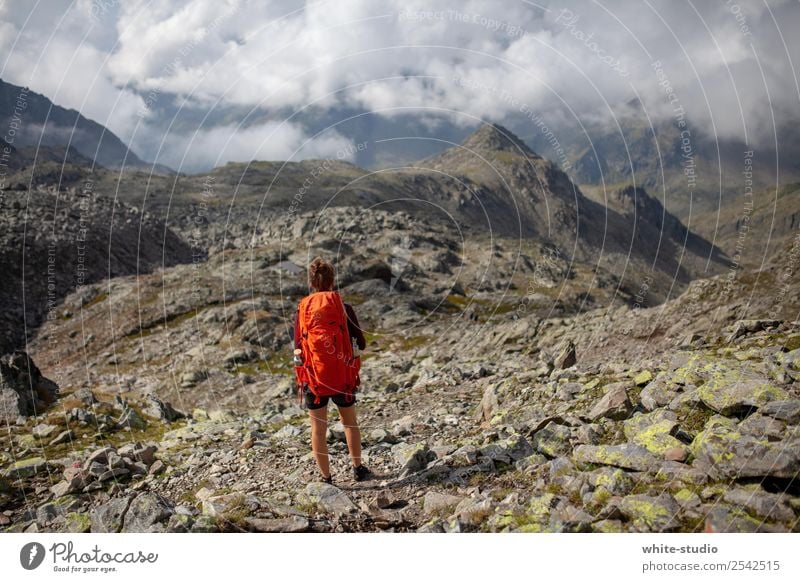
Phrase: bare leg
x=351 y=433
x=319 y=444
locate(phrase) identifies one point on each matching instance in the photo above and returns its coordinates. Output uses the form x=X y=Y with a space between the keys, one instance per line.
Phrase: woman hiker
x=327 y=341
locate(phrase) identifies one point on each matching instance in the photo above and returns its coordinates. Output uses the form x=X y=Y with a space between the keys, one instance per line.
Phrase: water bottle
x=297 y=358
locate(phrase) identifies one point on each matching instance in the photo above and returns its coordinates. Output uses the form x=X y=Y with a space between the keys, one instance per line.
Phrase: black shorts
x=340 y=400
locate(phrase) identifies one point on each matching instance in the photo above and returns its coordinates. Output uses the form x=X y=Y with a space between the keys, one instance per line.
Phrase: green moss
x=77 y=522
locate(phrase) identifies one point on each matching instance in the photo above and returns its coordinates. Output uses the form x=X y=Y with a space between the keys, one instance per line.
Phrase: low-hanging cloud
x=731 y=65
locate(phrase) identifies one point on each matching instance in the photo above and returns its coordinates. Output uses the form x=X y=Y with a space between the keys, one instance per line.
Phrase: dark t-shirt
x=352 y=327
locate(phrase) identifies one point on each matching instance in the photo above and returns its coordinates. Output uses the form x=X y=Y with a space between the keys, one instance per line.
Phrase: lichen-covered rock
x=625 y=456
x=724 y=452
x=658 y=392
x=615 y=481
x=731 y=390
x=27 y=468
x=553 y=440
x=654 y=431
x=651 y=513
x=770 y=506
x=412 y=457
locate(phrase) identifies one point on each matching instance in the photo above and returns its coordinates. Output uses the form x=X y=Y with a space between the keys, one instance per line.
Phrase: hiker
x=328 y=341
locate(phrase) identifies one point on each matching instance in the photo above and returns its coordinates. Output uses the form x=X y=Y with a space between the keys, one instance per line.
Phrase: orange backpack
x=329 y=367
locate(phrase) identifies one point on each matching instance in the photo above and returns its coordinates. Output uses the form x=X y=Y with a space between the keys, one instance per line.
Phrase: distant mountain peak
x=495 y=137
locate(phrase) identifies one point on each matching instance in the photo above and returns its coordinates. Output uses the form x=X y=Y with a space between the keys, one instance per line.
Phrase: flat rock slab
x=724 y=452
x=330 y=499
x=731 y=390
x=614 y=404
x=625 y=456
x=786 y=410
x=435 y=503
x=652 y=514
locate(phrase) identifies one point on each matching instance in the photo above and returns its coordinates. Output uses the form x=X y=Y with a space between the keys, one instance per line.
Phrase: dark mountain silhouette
x=43 y=123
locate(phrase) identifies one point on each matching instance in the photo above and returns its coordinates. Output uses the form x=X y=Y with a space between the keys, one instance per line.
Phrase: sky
x=197 y=83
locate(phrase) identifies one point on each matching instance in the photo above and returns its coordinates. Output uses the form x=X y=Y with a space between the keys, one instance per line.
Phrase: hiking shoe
x=361 y=473
x=328 y=480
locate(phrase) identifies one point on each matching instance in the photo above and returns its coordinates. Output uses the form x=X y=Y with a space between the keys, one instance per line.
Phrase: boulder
x=147 y=513
x=724 y=452
x=567 y=356
x=722 y=519
x=651 y=514
x=161 y=410
x=412 y=457
x=770 y=506
x=625 y=456
x=658 y=392
x=749 y=326
x=786 y=410
x=330 y=499
x=108 y=517
x=615 y=404
x=23 y=389
x=441 y=504
x=731 y=390
x=553 y=440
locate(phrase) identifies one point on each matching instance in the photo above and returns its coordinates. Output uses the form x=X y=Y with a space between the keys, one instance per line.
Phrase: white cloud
x=216 y=146
x=362 y=54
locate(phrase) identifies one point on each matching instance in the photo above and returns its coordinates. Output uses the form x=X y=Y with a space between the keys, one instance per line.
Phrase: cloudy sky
x=196 y=83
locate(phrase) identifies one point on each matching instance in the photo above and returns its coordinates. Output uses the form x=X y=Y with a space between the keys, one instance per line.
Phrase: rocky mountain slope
x=486 y=405
x=52 y=242
x=40 y=122
x=704 y=439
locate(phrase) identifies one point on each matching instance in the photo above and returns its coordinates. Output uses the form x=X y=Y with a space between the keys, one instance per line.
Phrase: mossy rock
x=732 y=390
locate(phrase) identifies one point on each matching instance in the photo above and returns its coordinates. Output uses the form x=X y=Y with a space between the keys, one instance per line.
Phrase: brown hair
x=320 y=275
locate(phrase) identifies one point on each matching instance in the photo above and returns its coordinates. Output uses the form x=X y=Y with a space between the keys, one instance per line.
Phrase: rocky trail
x=701 y=439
